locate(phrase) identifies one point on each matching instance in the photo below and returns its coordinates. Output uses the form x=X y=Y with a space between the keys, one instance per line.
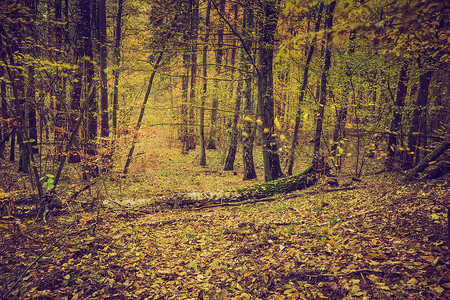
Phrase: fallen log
x=432 y=156
x=308 y=177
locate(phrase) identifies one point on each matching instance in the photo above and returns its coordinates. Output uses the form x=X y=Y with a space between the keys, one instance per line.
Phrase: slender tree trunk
x=272 y=168
x=338 y=133
x=303 y=90
x=117 y=60
x=324 y=77
x=92 y=106
x=229 y=162
x=60 y=105
x=141 y=114
x=184 y=105
x=186 y=22
x=205 y=87
x=3 y=108
x=103 y=66
x=83 y=34
x=193 y=62
x=31 y=100
x=249 y=128
x=234 y=135
x=419 y=119
x=212 y=140
x=402 y=90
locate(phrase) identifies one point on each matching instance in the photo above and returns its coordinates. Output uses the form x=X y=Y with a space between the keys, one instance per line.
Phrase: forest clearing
x=206 y=149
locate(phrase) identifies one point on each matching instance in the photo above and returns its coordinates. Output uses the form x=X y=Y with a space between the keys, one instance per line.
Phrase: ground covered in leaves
x=386 y=239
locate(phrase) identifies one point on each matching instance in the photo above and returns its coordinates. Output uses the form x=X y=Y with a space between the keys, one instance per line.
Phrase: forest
x=224 y=149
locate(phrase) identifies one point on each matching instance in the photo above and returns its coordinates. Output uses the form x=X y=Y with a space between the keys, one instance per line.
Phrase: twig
x=34 y=262
x=443 y=276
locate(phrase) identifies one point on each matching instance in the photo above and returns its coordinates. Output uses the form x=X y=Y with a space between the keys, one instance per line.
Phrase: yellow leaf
x=354 y=289
x=259 y=122
x=412 y=281
x=244 y=134
x=439 y=289
x=277 y=123
x=435 y=261
x=248 y=119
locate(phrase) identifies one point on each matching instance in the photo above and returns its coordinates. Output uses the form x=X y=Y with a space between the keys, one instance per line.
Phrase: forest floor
x=384 y=239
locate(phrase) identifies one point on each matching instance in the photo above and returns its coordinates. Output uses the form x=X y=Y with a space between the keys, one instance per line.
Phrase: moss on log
x=302 y=180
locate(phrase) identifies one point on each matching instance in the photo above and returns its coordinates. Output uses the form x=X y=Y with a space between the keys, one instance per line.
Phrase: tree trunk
x=186 y=26
x=324 y=77
x=419 y=119
x=249 y=128
x=424 y=163
x=402 y=90
x=302 y=180
x=309 y=55
x=212 y=140
x=205 y=87
x=103 y=65
x=338 y=134
x=141 y=114
x=193 y=64
x=272 y=168
x=229 y=163
x=31 y=101
x=184 y=105
x=83 y=34
x=3 y=108
x=117 y=61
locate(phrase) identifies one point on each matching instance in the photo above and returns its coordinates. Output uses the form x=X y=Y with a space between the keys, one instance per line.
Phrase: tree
x=267 y=27
x=103 y=65
x=234 y=135
x=249 y=128
x=318 y=16
x=205 y=86
x=212 y=140
x=324 y=77
x=117 y=62
x=402 y=90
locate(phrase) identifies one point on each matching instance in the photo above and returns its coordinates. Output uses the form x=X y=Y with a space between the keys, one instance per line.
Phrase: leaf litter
x=379 y=241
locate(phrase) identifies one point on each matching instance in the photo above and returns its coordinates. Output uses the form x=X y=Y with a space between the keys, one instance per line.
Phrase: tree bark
x=268 y=25
x=103 y=65
x=229 y=162
x=92 y=106
x=83 y=34
x=212 y=140
x=419 y=119
x=3 y=108
x=424 y=163
x=249 y=128
x=193 y=64
x=205 y=87
x=324 y=77
x=31 y=103
x=117 y=61
x=402 y=90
